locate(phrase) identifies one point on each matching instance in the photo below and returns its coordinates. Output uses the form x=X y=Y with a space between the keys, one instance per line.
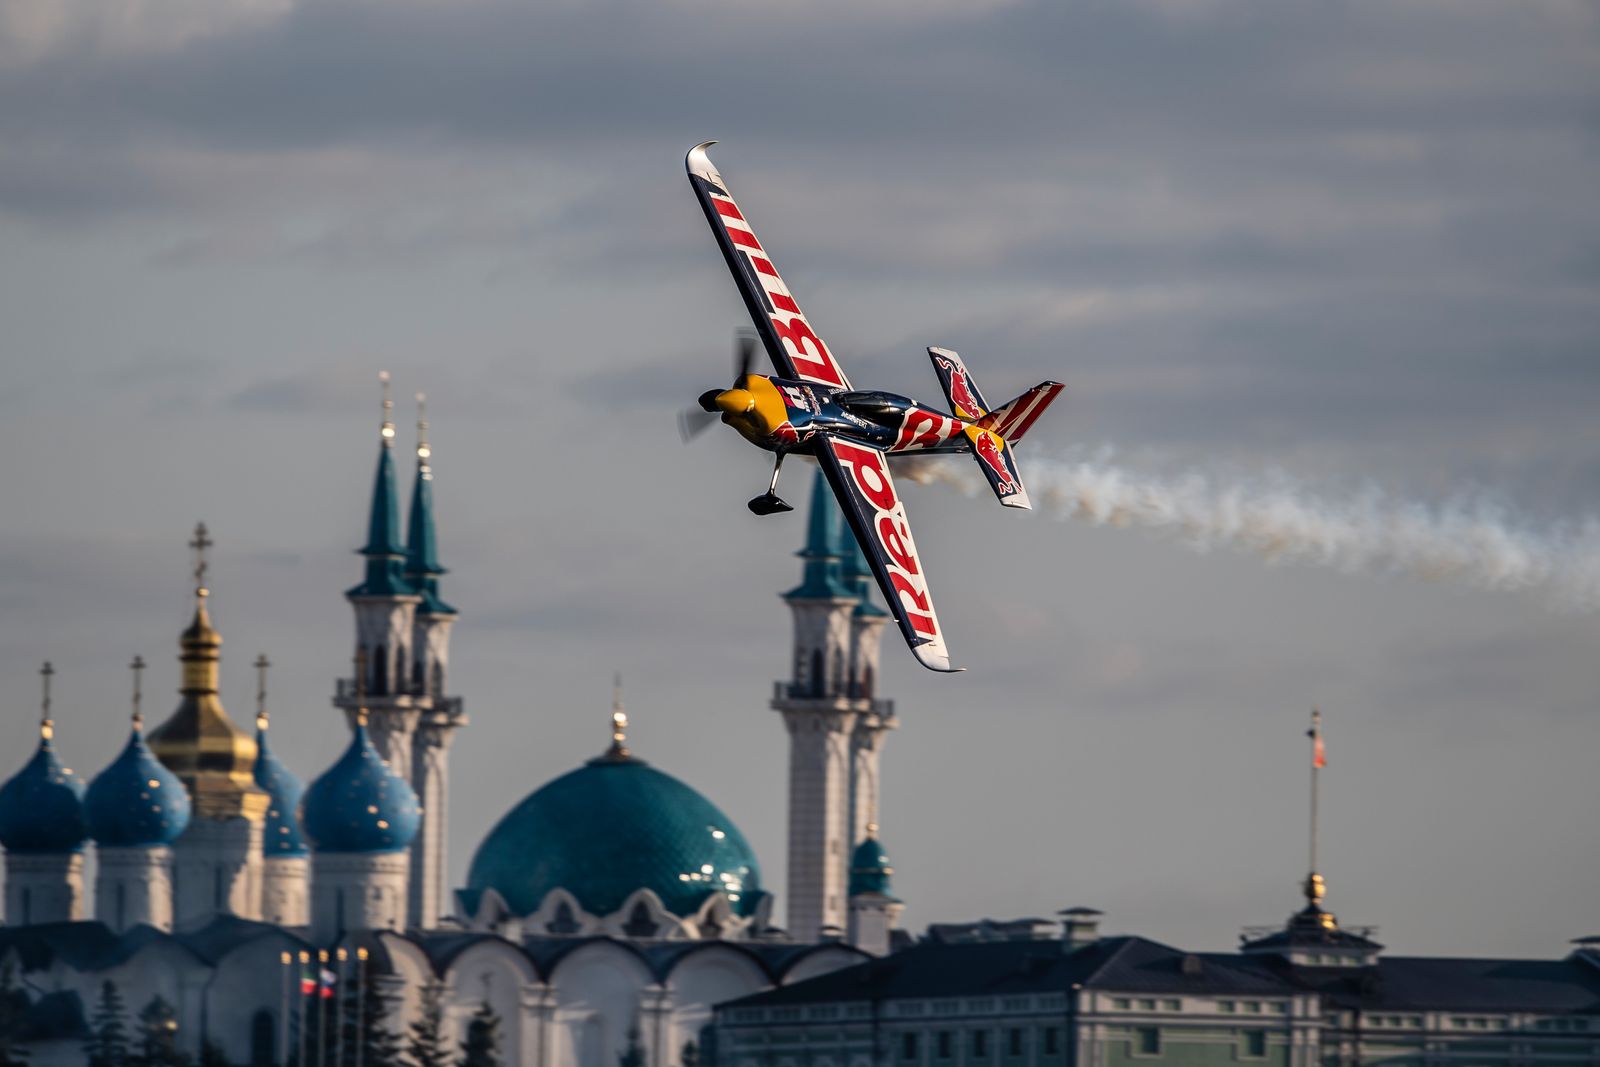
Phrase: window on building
x=1171 y=1005
x=1052 y=1040
x=1147 y=1005
x=1255 y=1044
x=908 y=1046
x=1252 y=1007
x=980 y=1042
x=1121 y=1003
x=639 y=924
x=1227 y=1007
x=1014 y=1041
x=942 y=1044
x=1147 y=1040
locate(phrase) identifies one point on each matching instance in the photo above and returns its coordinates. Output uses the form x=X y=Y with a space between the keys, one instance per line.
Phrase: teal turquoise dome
x=609 y=828
x=41 y=807
x=281 y=833
x=136 y=801
x=870 y=869
x=359 y=804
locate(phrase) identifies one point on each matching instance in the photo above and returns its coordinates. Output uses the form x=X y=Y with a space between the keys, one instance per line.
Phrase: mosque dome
x=281 y=832
x=869 y=867
x=359 y=804
x=136 y=801
x=610 y=828
x=41 y=807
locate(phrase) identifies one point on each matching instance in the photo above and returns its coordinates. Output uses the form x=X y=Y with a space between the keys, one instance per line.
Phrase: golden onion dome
x=199 y=743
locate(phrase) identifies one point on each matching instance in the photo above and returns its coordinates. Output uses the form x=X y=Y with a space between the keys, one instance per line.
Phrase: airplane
x=810 y=407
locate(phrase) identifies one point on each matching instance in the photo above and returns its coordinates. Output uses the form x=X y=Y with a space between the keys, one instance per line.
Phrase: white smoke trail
x=1468 y=540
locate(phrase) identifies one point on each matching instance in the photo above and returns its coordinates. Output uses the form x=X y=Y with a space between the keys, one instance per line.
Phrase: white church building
x=603 y=916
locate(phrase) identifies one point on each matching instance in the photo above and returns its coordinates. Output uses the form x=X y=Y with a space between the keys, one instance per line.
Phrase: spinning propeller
x=693 y=421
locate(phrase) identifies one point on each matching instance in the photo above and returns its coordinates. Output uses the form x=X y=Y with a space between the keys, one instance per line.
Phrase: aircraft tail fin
x=966 y=400
x=1015 y=418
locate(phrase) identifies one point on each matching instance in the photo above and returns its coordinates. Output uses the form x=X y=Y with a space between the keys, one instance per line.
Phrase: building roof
x=280 y=834
x=823 y=550
x=41 y=806
x=610 y=828
x=359 y=805
x=384 y=550
x=870 y=868
x=136 y=801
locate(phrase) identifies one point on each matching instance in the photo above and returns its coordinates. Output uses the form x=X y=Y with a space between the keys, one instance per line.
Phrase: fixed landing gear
x=769 y=503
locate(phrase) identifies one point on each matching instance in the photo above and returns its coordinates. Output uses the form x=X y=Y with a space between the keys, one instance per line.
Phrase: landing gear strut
x=770 y=503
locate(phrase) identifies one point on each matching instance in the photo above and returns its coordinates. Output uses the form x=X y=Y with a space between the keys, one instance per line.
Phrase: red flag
x=1319 y=755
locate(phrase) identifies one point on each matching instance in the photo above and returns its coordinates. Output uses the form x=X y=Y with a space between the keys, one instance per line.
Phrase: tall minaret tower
x=438 y=715
x=216 y=864
x=874 y=717
x=385 y=605
x=820 y=713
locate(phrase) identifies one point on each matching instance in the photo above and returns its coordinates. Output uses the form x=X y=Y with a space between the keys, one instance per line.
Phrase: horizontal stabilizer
x=1015 y=418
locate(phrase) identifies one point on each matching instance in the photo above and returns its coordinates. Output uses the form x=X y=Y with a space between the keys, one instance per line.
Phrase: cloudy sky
x=1342 y=244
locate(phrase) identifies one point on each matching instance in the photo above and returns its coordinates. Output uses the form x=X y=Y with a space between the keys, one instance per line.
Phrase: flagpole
x=305 y=960
x=1316 y=765
x=338 y=1008
x=286 y=959
x=361 y=1003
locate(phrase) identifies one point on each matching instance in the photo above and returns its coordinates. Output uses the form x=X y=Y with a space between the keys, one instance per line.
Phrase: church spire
x=384 y=551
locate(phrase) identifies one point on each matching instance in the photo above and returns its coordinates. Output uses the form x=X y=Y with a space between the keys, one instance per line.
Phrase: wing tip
x=935 y=660
x=698 y=163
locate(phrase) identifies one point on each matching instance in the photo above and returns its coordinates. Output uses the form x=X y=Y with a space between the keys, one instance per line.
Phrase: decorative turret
x=136 y=808
x=217 y=863
x=285 y=885
x=874 y=909
x=385 y=552
x=43 y=830
x=361 y=818
x=822 y=578
x=422 y=568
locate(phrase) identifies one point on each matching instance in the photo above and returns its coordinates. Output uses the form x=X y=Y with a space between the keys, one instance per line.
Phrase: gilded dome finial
x=619 y=720
x=423 y=451
x=47 y=727
x=261 y=664
x=387 y=431
x=137 y=666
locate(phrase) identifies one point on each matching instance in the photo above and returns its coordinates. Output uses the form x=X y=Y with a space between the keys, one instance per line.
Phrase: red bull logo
x=960 y=390
x=989 y=449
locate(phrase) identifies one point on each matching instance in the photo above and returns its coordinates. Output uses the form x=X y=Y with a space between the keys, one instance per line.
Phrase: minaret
x=874 y=718
x=286 y=878
x=216 y=864
x=820 y=715
x=385 y=605
x=136 y=808
x=42 y=828
x=437 y=716
x=874 y=909
x=361 y=818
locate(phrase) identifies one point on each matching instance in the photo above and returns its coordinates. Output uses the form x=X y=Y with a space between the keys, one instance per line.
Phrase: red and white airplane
x=810 y=407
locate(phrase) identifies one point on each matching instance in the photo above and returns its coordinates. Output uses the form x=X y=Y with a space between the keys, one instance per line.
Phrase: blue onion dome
x=136 y=801
x=610 y=828
x=869 y=866
x=281 y=832
x=359 y=804
x=41 y=807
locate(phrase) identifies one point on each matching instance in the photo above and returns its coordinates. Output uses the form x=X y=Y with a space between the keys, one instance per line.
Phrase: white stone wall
x=217 y=870
x=132 y=886
x=819 y=776
x=430 y=779
x=286 y=890
x=44 y=888
x=385 y=623
x=821 y=626
x=872 y=917
x=358 y=891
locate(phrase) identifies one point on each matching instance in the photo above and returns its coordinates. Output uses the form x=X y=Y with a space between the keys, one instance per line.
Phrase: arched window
x=438 y=680
x=563 y=923
x=866 y=683
x=263 y=1039
x=818 y=675
x=380 y=671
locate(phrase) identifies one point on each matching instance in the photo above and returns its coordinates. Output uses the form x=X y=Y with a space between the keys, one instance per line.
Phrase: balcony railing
x=831 y=693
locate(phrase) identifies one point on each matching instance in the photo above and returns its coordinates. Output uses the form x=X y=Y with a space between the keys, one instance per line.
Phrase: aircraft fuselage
x=783 y=415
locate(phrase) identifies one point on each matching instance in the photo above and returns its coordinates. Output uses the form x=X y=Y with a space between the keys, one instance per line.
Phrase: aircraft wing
x=796 y=351
x=860 y=479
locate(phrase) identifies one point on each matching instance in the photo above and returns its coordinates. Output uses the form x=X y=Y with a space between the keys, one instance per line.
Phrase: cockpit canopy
x=886 y=409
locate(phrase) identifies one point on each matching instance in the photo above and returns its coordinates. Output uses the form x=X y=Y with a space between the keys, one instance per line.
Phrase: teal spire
x=823 y=550
x=422 y=544
x=384 y=551
x=857 y=574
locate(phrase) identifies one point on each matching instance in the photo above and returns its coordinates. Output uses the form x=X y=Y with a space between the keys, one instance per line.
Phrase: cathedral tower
x=835 y=724
x=216 y=864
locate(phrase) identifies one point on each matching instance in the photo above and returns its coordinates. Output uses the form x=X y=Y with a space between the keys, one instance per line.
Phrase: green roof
x=822 y=579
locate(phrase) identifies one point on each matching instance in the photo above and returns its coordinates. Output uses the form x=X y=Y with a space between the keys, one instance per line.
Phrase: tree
x=380 y=1044
x=482 y=1046
x=108 y=1036
x=426 y=1046
x=633 y=1055
x=13 y=1012
x=158 y=1036
x=691 y=1055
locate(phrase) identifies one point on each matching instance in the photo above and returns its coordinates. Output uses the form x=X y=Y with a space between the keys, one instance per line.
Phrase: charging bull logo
x=966 y=405
x=989 y=450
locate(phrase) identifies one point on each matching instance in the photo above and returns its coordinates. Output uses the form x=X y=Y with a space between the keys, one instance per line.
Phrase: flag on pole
x=1319 y=754
x=328 y=981
x=308 y=983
